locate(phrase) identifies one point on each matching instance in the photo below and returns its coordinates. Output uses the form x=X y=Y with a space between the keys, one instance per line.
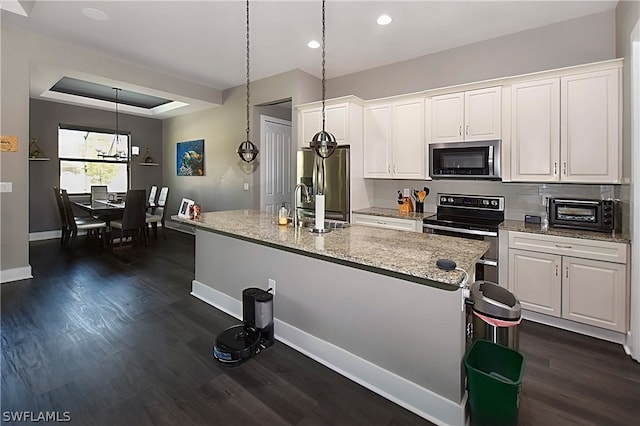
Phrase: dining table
x=103 y=209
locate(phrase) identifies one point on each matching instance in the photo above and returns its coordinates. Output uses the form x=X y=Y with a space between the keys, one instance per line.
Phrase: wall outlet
x=245 y=186
x=272 y=286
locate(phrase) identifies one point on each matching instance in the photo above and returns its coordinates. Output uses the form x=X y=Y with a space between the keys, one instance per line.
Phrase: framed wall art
x=190 y=158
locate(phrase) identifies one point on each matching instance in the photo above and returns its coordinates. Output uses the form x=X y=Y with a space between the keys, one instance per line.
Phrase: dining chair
x=75 y=224
x=159 y=213
x=99 y=192
x=133 y=218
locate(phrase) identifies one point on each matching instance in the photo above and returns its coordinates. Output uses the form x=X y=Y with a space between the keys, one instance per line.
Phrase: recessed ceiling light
x=384 y=20
x=96 y=14
x=313 y=44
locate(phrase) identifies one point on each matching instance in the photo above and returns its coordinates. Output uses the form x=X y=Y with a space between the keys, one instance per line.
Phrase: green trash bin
x=494 y=380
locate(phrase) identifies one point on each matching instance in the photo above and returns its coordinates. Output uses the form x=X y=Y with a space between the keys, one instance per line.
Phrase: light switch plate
x=6 y=186
x=245 y=186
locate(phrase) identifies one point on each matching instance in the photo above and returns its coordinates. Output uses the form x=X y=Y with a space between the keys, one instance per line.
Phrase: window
x=92 y=157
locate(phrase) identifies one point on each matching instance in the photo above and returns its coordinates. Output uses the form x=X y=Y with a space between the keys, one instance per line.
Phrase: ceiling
x=204 y=42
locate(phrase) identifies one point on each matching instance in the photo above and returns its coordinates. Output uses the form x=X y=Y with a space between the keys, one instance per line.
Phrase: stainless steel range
x=470 y=216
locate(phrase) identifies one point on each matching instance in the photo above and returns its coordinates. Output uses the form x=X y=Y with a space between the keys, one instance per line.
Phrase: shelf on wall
x=39 y=158
x=148 y=164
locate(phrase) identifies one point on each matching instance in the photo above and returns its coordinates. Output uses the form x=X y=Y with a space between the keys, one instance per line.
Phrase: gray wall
x=14 y=166
x=223 y=128
x=573 y=42
x=43 y=175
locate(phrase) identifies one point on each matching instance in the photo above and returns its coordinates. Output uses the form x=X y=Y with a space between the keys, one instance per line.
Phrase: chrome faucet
x=305 y=189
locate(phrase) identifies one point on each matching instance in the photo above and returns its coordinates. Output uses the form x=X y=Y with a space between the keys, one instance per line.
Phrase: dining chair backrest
x=152 y=196
x=135 y=207
x=162 y=198
x=99 y=192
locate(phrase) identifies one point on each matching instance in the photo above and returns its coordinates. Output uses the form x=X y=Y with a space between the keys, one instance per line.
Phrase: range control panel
x=471 y=201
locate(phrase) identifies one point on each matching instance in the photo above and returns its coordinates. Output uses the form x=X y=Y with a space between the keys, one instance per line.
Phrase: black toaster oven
x=591 y=215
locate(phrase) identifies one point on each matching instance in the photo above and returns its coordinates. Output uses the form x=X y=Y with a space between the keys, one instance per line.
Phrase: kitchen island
x=367 y=302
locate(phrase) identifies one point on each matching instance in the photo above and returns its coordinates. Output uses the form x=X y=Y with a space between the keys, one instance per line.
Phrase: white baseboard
x=46 y=235
x=15 y=274
x=576 y=327
x=399 y=390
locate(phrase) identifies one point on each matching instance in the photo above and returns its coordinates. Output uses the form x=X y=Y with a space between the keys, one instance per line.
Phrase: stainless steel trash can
x=495 y=314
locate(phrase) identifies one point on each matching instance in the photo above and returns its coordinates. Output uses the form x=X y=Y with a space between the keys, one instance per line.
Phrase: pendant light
x=323 y=143
x=247 y=149
x=117 y=155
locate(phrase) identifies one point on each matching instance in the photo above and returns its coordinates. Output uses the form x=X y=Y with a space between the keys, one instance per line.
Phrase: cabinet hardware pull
x=556 y=270
x=562 y=246
x=394 y=168
x=555 y=168
x=460 y=131
x=564 y=165
x=382 y=223
x=566 y=272
x=388 y=168
x=466 y=130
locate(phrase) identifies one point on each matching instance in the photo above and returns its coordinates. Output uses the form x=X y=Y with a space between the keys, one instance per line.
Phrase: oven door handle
x=487 y=262
x=460 y=230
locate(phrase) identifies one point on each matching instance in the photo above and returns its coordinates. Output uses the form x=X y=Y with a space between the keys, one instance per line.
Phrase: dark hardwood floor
x=114 y=338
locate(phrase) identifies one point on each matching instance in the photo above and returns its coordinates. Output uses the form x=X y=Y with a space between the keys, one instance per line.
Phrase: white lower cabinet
x=399 y=224
x=568 y=278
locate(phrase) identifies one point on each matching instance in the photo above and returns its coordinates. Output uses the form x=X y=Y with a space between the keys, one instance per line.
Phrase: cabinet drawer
x=386 y=222
x=576 y=247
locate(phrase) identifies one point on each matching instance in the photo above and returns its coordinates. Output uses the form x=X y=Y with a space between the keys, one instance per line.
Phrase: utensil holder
x=419 y=207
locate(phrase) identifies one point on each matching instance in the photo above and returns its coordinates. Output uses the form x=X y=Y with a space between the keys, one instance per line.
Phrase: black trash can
x=495 y=314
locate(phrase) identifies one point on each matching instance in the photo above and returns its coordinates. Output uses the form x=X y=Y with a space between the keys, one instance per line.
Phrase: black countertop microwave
x=465 y=160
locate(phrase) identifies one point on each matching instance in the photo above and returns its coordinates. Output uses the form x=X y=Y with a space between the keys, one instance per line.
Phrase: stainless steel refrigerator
x=336 y=190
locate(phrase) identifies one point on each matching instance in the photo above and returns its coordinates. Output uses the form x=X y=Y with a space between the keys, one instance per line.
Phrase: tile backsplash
x=520 y=198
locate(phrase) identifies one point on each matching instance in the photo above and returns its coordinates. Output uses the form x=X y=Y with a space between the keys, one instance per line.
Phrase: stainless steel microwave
x=465 y=160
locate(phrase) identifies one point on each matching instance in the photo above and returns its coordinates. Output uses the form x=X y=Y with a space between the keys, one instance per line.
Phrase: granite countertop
x=519 y=225
x=383 y=212
x=409 y=256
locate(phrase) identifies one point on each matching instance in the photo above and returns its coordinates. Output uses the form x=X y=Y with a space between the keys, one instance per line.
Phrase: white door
x=275 y=162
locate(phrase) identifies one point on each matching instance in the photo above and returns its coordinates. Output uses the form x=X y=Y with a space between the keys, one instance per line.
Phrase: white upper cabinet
x=566 y=129
x=589 y=127
x=394 y=143
x=467 y=116
x=535 y=130
x=336 y=122
x=377 y=141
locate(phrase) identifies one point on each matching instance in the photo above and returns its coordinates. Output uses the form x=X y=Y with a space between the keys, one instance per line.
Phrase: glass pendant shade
x=323 y=144
x=247 y=151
